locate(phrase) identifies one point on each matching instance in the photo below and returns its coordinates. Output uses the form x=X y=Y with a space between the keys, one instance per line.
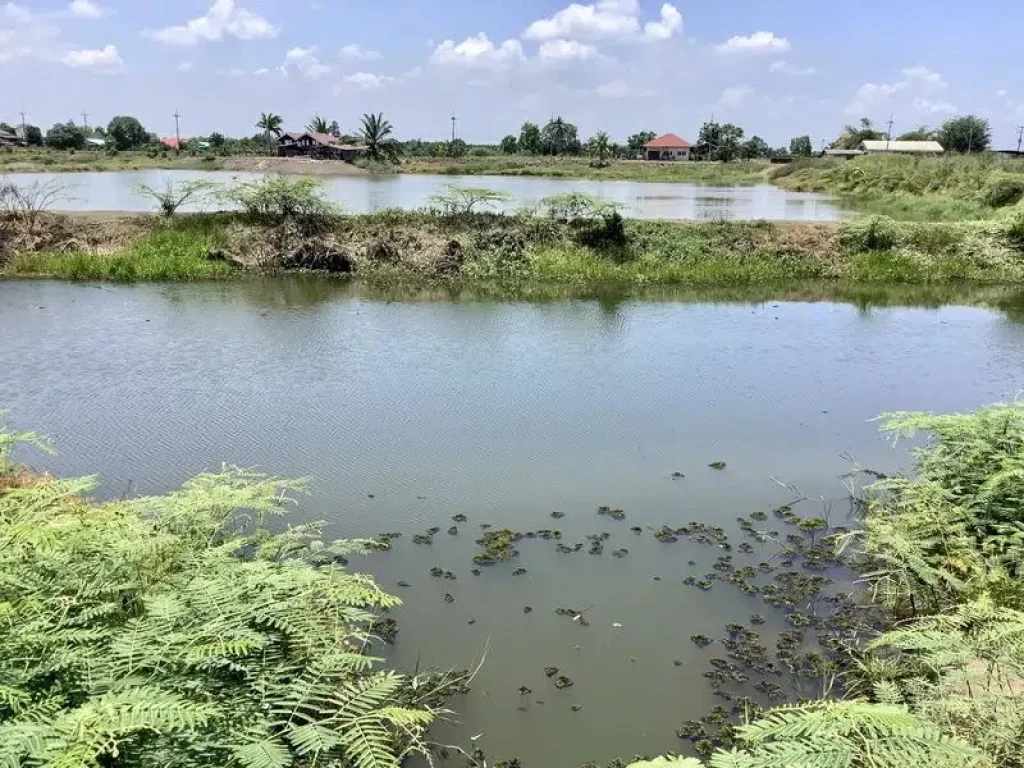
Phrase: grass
x=581 y=168
x=42 y=159
x=948 y=188
x=397 y=246
x=174 y=252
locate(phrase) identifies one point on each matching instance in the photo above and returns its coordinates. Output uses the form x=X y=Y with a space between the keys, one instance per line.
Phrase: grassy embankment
x=516 y=250
x=951 y=188
x=36 y=160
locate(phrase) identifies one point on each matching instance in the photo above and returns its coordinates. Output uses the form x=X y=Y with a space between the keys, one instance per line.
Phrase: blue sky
x=779 y=69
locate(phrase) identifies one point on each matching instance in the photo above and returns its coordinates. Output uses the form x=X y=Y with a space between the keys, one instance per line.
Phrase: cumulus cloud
x=357 y=52
x=367 y=81
x=735 y=95
x=224 y=19
x=85 y=9
x=605 y=19
x=785 y=68
x=105 y=59
x=478 y=52
x=306 y=62
x=25 y=35
x=671 y=24
x=757 y=43
x=566 y=50
x=916 y=82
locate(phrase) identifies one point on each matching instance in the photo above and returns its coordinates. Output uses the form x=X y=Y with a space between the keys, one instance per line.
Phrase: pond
x=410 y=410
x=115 y=191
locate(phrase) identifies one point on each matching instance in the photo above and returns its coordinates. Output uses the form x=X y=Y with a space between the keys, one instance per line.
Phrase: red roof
x=171 y=142
x=668 y=141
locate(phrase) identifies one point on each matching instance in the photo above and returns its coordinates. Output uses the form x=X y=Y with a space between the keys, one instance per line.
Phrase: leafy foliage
x=509 y=145
x=637 y=141
x=559 y=137
x=174 y=195
x=801 y=146
x=377 y=135
x=273 y=199
x=719 y=141
x=65 y=136
x=458 y=201
x=180 y=630
x=853 y=135
x=127 y=132
x=529 y=139
x=600 y=147
x=965 y=134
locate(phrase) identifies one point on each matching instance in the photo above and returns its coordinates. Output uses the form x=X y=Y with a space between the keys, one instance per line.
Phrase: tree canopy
x=965 y=134
x=65 y=136
x=377 y=135
x=560 y=137
x=637 y=141
x=800 y=146
x=719 y=141
x=924 y=133
x=127 y=132
x=755 y=148
x=529 y=139
x=509 y=145
x=853 y=135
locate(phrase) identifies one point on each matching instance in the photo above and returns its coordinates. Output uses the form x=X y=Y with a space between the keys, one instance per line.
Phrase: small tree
x=175 y=195
x=377 y=135
x=637 y=141
x=65 y=136
x=127 y=132
x=853 y=135
x=719 y=141
x=924 y=133
x=600 y=146
x=965 y=134
x=318 y=125
x=529 y=139
x=754 y=148
x=457 y=201
x=33 y=136
x=574 y=206
x=217 y=140
x=276 y=198
x=270 y=124
x=509 y=145
x=456 y=148
x=801 y=146
x=25 y=203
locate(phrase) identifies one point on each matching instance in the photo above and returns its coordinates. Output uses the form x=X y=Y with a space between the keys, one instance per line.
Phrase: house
x=8 y=139
x=667 y=147
x=171 y=142
x=844 y=154
x=884 y=147
x=95 y=142
x=317 y=145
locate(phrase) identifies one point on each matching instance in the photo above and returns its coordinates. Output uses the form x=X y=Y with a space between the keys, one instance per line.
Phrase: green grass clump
x=174 y=253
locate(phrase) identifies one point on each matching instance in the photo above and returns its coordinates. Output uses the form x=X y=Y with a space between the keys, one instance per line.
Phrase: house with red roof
x=668 y=146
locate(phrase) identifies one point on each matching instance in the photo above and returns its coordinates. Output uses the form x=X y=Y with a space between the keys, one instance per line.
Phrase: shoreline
x=511 y=252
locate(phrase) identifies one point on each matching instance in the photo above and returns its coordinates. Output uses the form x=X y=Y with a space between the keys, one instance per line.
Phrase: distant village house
x=8 y=139
x=884 y=147
x=667 y=147
x=321 y=146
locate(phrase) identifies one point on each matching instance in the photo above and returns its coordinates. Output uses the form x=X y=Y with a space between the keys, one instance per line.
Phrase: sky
x=778 y=69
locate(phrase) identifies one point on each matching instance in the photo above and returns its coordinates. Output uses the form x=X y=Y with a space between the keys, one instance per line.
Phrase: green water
x=407 y=409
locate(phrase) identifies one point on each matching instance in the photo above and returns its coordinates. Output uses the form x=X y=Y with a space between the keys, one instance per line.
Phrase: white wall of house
x=668 y=154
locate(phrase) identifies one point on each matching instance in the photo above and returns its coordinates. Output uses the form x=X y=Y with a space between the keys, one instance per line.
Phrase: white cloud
x=306 y=61
x=106 y=59
x=785 y=68
x=925 y=78
x=26 y=35
x=671 y=24
x=605 y=20
x=367 y=81
x=735 y=95
x=566 y=50
x=916 y=82
x=757 y=43
x=922 y=104
x=478 y=51
x=224 y=19
x=85 y=9
x=186 y=66
x=16 y=12
x=357 y=52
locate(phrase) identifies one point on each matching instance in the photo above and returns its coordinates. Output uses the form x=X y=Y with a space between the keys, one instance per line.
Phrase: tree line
x=964 y=135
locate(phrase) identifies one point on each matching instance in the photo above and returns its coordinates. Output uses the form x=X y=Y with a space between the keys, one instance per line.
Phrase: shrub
x=609 y=233
x=456 y=200
x=273 y=199
x=183 y=630
x=1003 y=189
x=878 y=233
x=174 y=195
x=572 y=206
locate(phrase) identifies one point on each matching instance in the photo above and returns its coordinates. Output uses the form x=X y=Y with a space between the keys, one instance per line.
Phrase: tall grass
x=178 y=252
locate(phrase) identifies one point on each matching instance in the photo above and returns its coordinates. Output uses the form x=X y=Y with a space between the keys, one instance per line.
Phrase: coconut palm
x=318 y=125
x=600 y=146
x=270 y=123
x=376 y=134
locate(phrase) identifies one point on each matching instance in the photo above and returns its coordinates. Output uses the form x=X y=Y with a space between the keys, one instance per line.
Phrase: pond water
x=115 y=191
x=407 y=410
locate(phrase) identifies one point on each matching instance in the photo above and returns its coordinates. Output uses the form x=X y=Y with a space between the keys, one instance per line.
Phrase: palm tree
x=377 y=137
x=318 y=125
x=600 y=145
x=270 y=124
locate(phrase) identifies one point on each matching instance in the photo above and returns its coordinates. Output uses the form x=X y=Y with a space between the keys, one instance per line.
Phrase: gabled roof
x=902 y=146
x=8 y=136
x=319 y=138
x=171 y=142
x=668 y=141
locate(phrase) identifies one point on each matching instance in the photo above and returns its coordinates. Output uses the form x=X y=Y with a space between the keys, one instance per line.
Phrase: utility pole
x=454 y=120
x=85 y=120
x=24 y=129
x=1020 y=138
x=888 y=136
x=177 y=131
